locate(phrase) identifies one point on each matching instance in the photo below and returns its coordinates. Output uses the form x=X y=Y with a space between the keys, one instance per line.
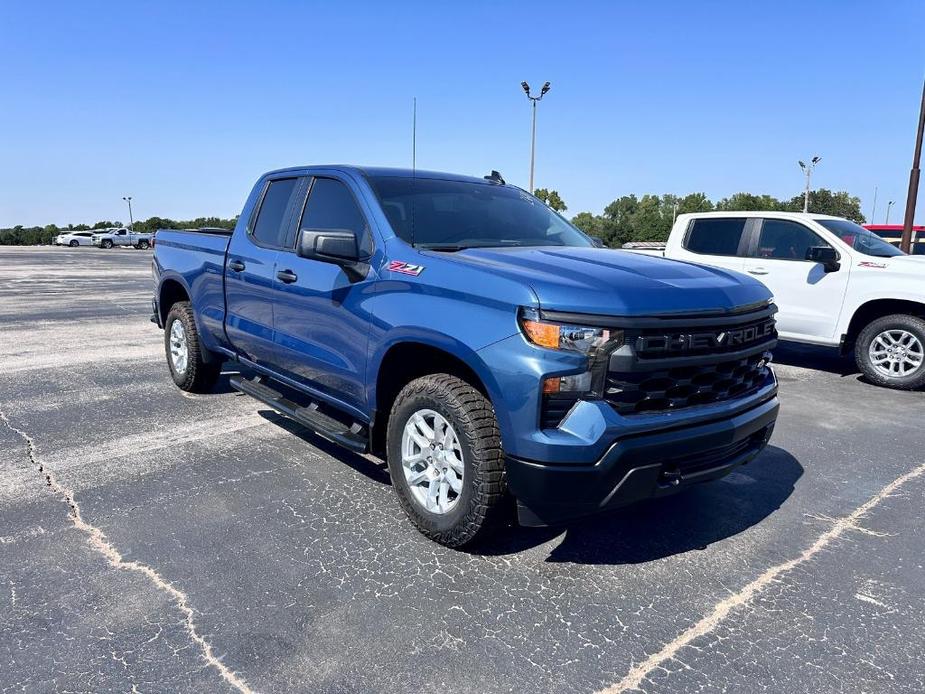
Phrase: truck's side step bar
x=353 y=437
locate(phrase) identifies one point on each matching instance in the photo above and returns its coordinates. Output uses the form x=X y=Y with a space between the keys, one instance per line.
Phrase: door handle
x=287 y=276
x=236 y=265
x=758 y=271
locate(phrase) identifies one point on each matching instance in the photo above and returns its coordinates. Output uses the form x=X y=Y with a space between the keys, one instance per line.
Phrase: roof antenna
x=494 y=177
x=414 y=152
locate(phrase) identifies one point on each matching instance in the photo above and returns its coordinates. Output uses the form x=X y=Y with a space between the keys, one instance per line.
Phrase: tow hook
x=671 y=478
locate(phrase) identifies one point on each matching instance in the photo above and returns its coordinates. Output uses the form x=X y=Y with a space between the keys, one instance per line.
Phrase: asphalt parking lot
x=155 y=541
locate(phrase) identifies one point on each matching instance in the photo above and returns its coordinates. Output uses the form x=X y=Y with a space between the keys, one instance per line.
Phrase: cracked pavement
x=300 y=573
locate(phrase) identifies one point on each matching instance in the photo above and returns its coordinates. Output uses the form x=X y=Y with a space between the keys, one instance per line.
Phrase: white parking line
x=634 y=678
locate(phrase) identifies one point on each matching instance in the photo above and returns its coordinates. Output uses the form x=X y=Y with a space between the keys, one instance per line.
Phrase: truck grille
x=684 y=386
x=671 y=363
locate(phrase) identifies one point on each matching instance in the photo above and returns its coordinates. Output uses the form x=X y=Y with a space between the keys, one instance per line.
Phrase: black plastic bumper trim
x=639 y=467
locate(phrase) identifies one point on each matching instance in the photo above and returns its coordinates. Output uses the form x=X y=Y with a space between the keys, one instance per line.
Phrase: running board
x=353 y=437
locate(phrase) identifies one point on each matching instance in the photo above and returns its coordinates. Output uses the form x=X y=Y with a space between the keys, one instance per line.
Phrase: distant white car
x=74 y=238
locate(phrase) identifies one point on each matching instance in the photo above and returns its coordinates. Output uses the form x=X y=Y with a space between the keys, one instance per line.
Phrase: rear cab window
x=715 y=236
x=269 y=228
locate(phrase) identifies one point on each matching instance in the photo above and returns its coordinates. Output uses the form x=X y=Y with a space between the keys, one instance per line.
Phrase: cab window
x=270 y=227
x=782 y=239
x=331 y=206
x=715 y=236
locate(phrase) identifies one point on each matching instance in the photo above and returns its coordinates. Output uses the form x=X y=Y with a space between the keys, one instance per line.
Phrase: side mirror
x=598 y=242
x=826 y=255
x=338 y=246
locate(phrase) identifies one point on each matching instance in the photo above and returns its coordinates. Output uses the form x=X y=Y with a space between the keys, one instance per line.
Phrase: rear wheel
x=890 y=351
x=143 y=245
x=181 y=342
x=444 y=457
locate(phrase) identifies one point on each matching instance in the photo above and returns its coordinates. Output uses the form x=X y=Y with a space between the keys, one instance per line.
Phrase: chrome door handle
x=758 y=271
x=287 y=276
x=235 y=265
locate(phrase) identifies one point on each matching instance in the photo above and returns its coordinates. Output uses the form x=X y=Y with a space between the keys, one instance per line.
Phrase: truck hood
x=612 y=282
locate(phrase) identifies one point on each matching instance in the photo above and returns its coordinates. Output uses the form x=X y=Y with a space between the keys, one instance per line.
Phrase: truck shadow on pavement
x=815 y=357
x=691 y=520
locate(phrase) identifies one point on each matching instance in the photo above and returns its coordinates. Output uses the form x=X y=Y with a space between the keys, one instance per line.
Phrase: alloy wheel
x=432 y=461
x=896 y=353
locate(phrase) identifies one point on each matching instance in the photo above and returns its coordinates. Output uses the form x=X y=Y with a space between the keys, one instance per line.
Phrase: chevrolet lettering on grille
x=688 y=342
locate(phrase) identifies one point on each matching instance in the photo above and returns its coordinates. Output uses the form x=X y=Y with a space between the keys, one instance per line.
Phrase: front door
x=250 y=272
x=320 y=318
x=808 y=298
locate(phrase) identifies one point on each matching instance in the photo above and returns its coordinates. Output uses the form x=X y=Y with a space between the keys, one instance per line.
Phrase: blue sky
x=183 y=105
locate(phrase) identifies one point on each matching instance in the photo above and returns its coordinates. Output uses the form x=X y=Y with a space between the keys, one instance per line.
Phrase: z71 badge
x=405 y=268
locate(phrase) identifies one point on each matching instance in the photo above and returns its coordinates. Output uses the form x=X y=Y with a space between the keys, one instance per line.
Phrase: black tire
x=484 y=486
x=106 y=243
x=199 y=376
x=73 y=243
x=910 y=324
x=143 y=245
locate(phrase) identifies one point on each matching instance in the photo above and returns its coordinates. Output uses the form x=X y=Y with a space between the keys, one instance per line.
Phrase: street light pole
x=808 y=170
x=905 y=243
x=131 y=221
x=888 y=206
x=533 y=99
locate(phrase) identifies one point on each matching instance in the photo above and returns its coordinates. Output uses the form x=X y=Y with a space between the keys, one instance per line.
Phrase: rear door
x=716 y=241
x=250 y=270
x=321 y=325
x=808 y=298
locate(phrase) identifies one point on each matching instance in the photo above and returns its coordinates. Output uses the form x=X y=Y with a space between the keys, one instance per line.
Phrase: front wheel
x=890 y=351
x=106 y=244
x=181 y=342
x=444 y=457
x=73 y=244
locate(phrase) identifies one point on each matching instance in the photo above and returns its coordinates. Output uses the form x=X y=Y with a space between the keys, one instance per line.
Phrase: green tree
x=551 y=198
x=824 y=201
x=744 y=202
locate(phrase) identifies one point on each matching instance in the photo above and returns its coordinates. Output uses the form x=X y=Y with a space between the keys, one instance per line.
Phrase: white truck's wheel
x=890 y=351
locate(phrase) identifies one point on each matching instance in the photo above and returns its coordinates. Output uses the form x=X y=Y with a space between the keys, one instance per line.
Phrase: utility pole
x=534 y=100
x=131 y=221
x=888 y=206
x=905 y=243
x=873 y=211
x=808 y=170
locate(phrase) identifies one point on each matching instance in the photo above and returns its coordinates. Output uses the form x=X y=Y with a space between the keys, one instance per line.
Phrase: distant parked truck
x=122 y=237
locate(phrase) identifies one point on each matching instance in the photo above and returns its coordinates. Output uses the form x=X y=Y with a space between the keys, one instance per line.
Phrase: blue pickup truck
x=485 y=348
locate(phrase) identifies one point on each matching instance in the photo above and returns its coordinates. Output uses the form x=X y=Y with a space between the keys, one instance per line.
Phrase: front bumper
x=638 y=467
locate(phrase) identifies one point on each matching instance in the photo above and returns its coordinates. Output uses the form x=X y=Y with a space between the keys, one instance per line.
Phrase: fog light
x=576 y=383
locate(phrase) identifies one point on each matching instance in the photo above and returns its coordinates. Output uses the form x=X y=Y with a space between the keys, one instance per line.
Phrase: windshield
x=860 y=239
x=454 y=215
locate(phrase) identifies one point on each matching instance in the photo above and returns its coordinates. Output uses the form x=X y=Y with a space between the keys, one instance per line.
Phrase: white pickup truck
x=834 y=282
x=122 y=237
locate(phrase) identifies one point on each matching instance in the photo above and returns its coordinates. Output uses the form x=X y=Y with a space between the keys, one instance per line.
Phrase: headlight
x=594 y=342
x=585 y=339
